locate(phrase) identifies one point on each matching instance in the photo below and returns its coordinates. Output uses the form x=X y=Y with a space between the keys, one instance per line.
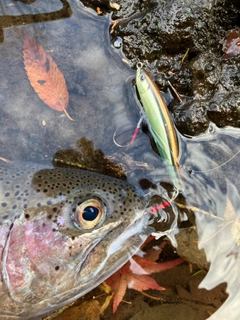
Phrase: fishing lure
x=160 y=123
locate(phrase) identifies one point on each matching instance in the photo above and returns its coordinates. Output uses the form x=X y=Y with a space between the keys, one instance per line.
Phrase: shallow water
x=103 y=99
x=95 y=76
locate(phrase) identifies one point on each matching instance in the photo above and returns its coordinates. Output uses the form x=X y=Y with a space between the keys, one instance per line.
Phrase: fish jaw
x=41 y=253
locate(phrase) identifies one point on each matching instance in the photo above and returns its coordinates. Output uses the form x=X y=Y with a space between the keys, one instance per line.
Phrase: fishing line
x=217 y=167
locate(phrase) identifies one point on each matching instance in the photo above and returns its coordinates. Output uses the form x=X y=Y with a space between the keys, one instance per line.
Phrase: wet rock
x=191 y=117
x=172 y=26
x=187 y=248
x=215 y=94
x=225 y=109
x=158 y=33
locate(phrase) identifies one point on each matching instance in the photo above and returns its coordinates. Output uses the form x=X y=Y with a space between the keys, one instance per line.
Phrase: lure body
x=160 y=123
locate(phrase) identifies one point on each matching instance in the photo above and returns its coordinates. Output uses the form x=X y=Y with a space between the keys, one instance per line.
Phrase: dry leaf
x=134 y=275
x=114 y=5
x=231 y=44
x=44 y=75
x=229 y=212
x=230 y=216
x=235 y=230
x=98 y=10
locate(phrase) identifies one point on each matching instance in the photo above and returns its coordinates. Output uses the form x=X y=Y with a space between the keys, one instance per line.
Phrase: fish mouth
x=126 y=242
x=116 y=255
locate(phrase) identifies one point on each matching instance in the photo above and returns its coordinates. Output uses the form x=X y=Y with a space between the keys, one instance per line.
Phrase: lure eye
x=142 y=77
x=89 y=214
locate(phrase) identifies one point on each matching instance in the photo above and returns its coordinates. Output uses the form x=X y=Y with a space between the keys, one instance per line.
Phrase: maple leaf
x=135 y=275
x=44 y=75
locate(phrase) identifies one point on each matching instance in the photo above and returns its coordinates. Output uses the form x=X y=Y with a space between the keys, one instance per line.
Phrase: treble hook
x=133 y=137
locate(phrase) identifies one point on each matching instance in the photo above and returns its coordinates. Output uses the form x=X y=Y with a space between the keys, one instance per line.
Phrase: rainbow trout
x=62 y=232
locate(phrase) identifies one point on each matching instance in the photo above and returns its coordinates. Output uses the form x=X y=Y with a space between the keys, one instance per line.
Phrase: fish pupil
x=90 y=213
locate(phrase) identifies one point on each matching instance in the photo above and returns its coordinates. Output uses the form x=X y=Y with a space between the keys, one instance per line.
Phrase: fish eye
x=90 y=214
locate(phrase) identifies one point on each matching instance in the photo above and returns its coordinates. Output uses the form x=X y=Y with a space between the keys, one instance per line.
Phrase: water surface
x=103 y=99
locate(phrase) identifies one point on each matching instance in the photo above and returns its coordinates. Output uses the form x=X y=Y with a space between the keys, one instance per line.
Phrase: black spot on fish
x=57 y=268
x=27 y=216
x=4 y=204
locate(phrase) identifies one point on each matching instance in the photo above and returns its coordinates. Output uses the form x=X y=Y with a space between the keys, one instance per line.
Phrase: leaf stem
x=65 y=111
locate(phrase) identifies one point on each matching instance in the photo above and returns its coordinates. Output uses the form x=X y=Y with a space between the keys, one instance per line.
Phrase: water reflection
x=103 y=99
x=212 y=185
x=17 y=19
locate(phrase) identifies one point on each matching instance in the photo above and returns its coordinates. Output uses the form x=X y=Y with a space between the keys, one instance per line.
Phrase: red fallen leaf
x=231 y=44
x=134 y=275
x=44 y=75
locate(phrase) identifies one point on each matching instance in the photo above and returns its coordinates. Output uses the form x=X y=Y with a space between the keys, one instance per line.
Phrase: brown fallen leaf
x=134 y=275
x=98 y=10
x=231 y=44
x=44 y=75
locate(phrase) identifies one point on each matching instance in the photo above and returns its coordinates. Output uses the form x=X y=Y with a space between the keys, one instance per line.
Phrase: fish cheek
x=39 y=261
x=31 y=253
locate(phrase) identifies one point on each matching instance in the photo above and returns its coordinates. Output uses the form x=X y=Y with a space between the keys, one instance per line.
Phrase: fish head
x=75 y=229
